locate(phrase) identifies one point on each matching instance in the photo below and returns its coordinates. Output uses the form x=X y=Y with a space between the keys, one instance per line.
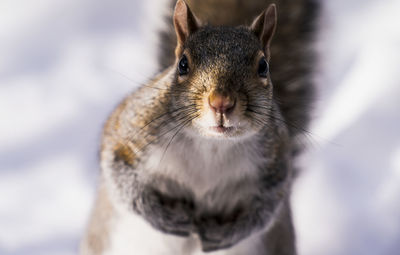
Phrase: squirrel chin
x=221 y=133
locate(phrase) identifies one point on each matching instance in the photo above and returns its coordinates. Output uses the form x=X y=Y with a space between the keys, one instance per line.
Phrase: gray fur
x=154 y=156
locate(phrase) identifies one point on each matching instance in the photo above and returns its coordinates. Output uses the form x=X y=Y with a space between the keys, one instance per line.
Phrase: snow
x=64 y=65
x=347 y=199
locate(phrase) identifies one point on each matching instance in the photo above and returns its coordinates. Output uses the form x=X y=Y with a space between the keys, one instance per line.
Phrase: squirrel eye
x=183 y=66
x=263 y=68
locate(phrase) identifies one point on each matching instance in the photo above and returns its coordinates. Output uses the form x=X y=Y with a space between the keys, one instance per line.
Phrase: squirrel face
x=224 y=82
x=222 y=79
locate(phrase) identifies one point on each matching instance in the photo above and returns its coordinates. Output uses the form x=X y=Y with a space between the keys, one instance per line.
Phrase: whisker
x=282 y=120
x=175 y=134
x=166 y=132
x=168 y=89
x=260 y=121
x=309 y=136
x=165 y=113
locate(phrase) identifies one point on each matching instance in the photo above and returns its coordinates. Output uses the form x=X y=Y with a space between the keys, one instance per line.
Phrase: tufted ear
x=185 y=24
x=264 y=27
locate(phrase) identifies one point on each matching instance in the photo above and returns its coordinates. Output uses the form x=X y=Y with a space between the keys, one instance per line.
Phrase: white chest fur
x=207 y=166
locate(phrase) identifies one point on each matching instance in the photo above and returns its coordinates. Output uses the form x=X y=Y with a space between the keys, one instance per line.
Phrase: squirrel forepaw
x=170 y=215
x=215 y=235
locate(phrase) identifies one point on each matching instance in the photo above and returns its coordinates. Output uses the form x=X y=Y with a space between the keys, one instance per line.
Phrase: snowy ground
x=62 y=70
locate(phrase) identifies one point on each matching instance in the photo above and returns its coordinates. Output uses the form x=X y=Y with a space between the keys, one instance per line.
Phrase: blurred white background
x=63 y=67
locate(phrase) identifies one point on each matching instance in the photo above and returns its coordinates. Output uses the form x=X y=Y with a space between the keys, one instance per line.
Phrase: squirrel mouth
x=222 y=129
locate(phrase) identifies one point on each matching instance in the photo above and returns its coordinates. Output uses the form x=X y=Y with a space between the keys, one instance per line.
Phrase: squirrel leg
x=280 y=239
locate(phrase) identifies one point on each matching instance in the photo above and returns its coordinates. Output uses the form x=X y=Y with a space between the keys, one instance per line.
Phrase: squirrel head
x=222 y=76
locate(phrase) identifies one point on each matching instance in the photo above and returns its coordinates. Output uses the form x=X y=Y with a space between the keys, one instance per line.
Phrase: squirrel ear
x=264 y=27
x=185 y=23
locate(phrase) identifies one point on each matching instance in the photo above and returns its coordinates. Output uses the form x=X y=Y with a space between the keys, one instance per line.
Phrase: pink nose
x=221 y=103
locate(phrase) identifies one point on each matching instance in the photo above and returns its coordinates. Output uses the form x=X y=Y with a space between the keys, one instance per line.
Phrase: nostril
x=221 y=104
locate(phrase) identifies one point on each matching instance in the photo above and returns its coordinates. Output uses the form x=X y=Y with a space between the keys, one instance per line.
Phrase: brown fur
x=97 y=238
x=124 y=152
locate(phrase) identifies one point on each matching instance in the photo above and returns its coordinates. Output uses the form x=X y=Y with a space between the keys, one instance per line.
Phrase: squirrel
x=200 y=158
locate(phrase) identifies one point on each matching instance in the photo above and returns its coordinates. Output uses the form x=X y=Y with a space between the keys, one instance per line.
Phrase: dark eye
x=183 y=66
x=263 y=68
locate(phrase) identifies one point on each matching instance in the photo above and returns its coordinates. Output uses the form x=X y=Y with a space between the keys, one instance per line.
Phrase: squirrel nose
x=220 y=103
